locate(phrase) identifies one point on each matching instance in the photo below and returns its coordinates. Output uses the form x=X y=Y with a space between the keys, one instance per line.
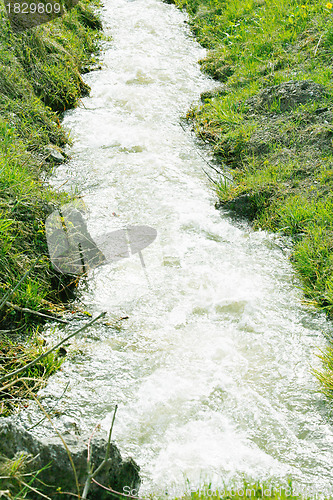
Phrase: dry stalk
x=60 y=436
x=46 y=353
x=93 y=474
x=36 y=313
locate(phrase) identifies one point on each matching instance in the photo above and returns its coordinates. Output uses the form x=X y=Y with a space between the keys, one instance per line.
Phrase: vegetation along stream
x=212 y=370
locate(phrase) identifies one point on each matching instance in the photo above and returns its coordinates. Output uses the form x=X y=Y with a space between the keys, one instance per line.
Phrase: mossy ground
x=271 y=125
x=39 y=79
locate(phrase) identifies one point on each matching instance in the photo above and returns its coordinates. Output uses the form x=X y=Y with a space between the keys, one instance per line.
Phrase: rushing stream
x=212 y=369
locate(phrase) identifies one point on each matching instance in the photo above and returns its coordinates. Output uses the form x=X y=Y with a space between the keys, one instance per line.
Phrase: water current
x=212 y=368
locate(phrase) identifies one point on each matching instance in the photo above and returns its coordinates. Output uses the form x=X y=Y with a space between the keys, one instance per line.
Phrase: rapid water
x=212 y=370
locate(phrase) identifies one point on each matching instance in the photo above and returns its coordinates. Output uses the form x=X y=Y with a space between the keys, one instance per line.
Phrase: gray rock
x=116 y=474
x=54 y=153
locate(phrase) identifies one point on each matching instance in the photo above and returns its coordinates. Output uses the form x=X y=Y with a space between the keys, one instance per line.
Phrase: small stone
x=54 y=153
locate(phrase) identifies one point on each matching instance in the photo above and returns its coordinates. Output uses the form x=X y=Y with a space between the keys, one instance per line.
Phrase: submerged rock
x=117 y=473
x=53 y=153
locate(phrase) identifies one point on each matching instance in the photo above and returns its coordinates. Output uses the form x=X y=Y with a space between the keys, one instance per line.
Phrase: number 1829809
x=33 y=8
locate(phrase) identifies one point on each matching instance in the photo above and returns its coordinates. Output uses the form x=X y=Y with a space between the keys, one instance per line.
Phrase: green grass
x=279 y=151
x=17 y=479
x=39 y=79
x=13 y=355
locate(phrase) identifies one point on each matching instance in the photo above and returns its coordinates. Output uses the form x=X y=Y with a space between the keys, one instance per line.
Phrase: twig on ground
x=34 y=490
x=68 y=493
x=114 y=323
x=36 y=313
x=209 y=163
x=126 y=495
x=209 y=177
x=13 y=329
x=60 y=436
x=215 y=169
x=3 y=388
x=46 y=353
x=91 y=436
x=93 y=474
x=317 y=46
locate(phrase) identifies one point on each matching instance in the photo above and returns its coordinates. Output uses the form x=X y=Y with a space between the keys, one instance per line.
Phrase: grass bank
x=40 y=78
x=270 y=123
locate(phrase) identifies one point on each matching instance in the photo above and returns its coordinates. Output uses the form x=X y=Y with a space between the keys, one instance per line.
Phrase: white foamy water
x=212 y=370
